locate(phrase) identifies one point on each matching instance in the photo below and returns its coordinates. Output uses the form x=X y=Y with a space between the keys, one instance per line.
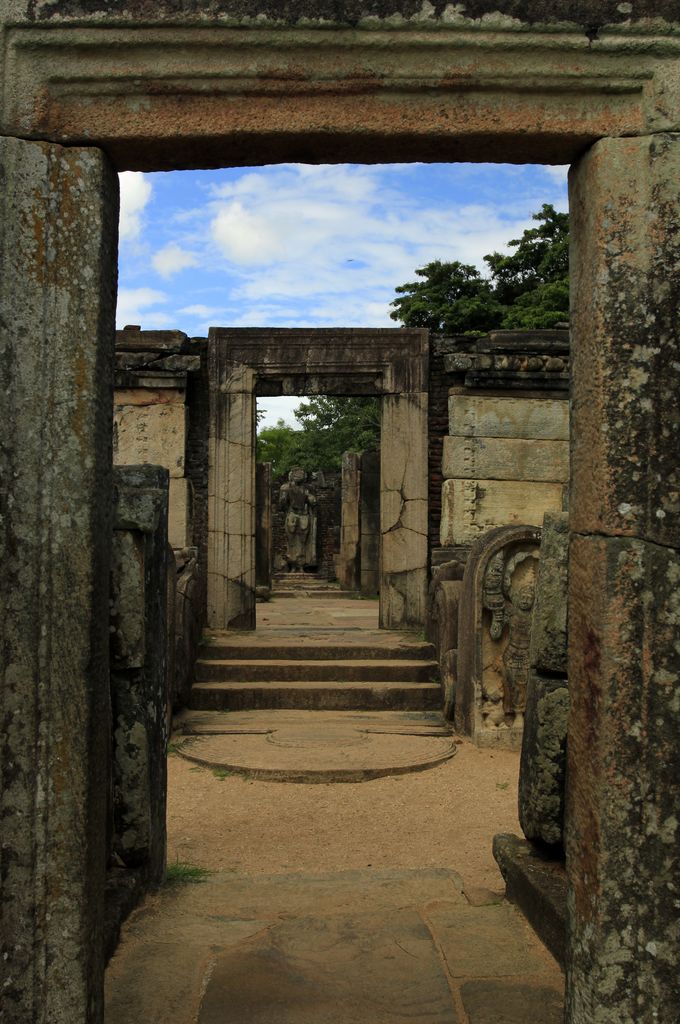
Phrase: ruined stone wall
x=198 y=405
x=504 y=449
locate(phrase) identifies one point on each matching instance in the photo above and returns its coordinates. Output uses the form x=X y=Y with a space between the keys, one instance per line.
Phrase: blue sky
x=314 y=246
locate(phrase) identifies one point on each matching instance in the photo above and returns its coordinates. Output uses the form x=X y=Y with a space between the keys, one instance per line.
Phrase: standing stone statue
x=299 y=504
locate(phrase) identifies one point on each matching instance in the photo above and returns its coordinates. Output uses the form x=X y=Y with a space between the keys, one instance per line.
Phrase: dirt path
x=444 y=817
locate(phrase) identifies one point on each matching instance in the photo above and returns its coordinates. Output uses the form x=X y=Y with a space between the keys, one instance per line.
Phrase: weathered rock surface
x=58 y=213
x=543 y=762
x=548 y=651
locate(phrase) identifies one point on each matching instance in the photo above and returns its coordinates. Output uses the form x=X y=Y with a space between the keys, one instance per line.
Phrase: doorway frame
x=388 y=363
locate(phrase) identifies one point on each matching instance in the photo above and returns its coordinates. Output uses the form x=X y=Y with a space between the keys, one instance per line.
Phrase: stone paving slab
x=493 y=945
x=506 y=1002
x=356 y=946
x=348 y=969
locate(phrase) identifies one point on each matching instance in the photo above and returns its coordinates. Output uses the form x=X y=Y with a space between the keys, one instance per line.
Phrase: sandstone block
x=491 y=416
x=549 y=621
x=153 y=434
x=180 y=519
x=497 y=458
x=470 y=507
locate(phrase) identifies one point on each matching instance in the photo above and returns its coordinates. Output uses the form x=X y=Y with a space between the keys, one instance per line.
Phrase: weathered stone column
x=349 y=559
x=623 y=840
x=58 y=221
x=140 y=680
x=264 y=539
x=370 y=523
x=231 y=492
x=403 y=511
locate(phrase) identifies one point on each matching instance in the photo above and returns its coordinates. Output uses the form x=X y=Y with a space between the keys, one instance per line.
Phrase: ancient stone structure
x=358 y=560
x=370 y=524
x=596 y=85
x=264 y=529
x=542 y=771
x=151 y=416
x=444 y=597
x=140 y=620
x=389 y=363
x=348 y=562
x=506 y=457
x=494 y=628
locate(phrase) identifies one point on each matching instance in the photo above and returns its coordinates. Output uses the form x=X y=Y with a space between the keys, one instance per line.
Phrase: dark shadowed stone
x=538 y=885
x=542 y=765
x=139 y=668
x=548 y=651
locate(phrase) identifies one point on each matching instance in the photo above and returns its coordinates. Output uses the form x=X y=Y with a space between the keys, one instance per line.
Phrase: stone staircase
x=304 y=584
x=238 y=672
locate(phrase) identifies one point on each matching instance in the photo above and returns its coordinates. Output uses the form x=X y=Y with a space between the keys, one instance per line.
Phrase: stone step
x=320 y=593
x=295 y=670
x=314 y=695
x=314 y=650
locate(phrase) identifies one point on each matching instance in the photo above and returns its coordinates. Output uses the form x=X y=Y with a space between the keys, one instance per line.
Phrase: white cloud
x=172 y=258
x=307 y=232
x=558 y=173
x=135 y=193
x=136 y=306
x=198 y=310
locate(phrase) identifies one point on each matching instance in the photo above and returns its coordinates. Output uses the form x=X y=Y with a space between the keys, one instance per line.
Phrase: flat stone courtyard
x=372 y=901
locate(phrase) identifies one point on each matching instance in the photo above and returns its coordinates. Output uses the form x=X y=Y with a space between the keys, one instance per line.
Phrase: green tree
x=451 y=298
x=533 y=281
x=279 y=445
x=527 y=288
x=329 y=427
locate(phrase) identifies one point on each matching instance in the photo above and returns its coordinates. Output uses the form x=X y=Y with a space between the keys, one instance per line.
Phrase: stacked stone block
x=505 y=462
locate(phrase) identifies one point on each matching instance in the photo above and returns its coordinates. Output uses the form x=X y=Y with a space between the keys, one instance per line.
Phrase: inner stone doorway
x=391 y=364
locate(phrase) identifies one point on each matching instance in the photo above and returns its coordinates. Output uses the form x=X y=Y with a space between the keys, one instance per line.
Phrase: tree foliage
x=451 y=298
x=330 y=426
x=527 y=288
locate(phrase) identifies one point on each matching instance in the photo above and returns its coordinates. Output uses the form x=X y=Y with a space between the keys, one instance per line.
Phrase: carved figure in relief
x=299 y=504
x=516 y=654
x=510 y=603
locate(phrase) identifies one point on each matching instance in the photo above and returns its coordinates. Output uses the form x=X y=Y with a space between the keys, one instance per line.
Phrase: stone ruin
x=593 y=85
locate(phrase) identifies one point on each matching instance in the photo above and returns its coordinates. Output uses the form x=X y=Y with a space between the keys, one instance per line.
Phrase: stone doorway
x=205 y=86
x=389 y=363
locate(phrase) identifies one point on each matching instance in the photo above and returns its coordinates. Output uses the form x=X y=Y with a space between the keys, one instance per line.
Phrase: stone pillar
x=622 y=836
x=370 y=524
x=264 y=528
x=349 y=559
x=231 y=492
x=139 y=667
x=403 y=511
x=58 y=217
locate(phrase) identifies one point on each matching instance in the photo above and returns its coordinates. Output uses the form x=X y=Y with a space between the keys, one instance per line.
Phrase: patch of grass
x=175 y=746
x=222 y=773
x=502 y=785
x=181 y=873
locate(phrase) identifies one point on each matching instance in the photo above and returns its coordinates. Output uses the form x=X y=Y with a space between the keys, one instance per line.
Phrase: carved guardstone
x=494 y=630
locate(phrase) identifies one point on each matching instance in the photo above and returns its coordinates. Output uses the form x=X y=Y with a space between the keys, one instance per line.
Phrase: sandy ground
x=444 y=817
